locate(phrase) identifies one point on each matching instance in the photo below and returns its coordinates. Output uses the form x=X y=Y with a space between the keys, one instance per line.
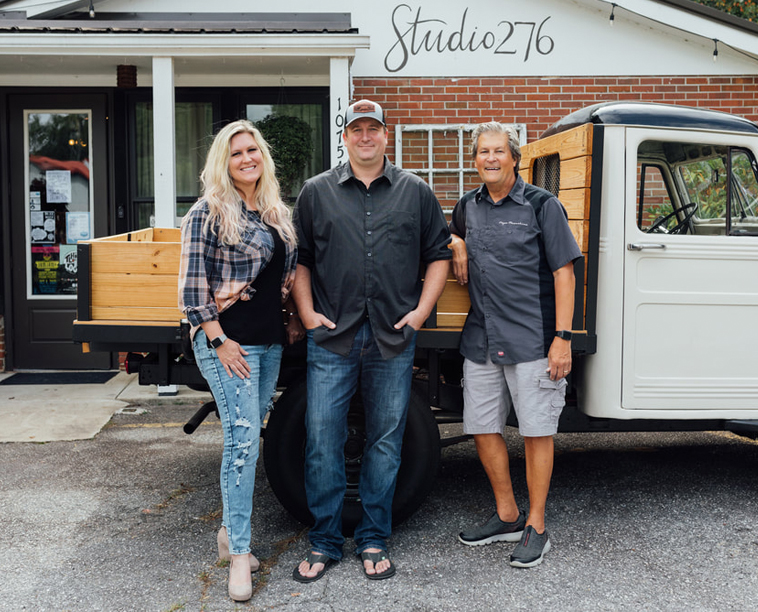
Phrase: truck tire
x=284 y=457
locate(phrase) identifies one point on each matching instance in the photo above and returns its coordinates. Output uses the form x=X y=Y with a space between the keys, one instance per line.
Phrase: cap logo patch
x=365 y=107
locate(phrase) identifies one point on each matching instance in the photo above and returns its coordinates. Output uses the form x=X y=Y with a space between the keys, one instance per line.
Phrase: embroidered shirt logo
x=513 y=223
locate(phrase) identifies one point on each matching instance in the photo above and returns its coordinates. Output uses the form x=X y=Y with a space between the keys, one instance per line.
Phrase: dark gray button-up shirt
x=366 y=249
x=514 y=246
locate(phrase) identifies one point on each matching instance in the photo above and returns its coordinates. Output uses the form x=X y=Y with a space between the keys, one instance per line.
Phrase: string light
x=91 y=9
x=716 y=41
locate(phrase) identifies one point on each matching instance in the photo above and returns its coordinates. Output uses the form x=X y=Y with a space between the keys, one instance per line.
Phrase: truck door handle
x=638 y=246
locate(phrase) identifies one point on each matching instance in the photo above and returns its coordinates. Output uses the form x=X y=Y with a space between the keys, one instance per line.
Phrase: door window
x=693 y=188
x=58 y=198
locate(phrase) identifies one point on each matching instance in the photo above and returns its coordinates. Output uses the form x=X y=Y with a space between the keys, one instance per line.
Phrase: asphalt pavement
x=126 y=521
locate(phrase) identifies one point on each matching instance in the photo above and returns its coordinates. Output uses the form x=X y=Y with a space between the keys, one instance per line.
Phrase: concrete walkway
x=48 y=413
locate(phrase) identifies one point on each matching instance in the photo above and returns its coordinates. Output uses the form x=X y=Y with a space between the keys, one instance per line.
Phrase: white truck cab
x=672 y=263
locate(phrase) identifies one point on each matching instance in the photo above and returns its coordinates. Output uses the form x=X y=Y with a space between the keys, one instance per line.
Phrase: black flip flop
x=376 y=557
x=313 y=558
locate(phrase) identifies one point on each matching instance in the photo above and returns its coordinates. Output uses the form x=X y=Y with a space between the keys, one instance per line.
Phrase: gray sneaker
x=494 y=530
x=530 y=550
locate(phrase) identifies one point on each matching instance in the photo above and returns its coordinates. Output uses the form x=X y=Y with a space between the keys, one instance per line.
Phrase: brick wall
x=536 y=102
x=540 y=102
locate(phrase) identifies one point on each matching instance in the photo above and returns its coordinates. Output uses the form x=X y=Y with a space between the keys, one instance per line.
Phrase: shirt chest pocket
x=401 y=228
x=509 y=241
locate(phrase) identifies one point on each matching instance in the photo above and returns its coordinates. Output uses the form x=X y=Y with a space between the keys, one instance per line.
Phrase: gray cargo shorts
x=489 y=391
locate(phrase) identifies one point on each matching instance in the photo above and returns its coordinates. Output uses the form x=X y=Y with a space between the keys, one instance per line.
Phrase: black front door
x=59 y=195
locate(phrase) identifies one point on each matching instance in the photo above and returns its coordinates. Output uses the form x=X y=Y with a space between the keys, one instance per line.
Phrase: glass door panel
x=58 y=198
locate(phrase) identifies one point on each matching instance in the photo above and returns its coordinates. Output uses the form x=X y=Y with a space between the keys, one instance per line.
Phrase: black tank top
x=259 y=319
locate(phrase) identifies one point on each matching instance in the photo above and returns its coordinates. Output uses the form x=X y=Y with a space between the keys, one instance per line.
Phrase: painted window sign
x=417 y=34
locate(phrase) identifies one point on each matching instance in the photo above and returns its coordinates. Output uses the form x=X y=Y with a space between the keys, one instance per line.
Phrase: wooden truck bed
x=128 y=293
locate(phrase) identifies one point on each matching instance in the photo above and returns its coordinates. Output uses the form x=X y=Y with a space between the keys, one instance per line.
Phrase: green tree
x=291 y=147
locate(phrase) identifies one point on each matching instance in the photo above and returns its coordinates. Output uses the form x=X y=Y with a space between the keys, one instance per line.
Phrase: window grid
x=430 y=169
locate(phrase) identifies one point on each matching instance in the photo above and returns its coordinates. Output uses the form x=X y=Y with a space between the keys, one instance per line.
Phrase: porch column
x=339 y=100
x=164 y=148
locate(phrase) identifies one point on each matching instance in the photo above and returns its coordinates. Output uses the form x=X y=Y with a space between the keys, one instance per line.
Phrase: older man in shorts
x=512 y=245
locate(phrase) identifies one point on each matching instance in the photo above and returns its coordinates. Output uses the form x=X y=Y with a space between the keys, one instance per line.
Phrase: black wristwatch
x=218 y=341
x=563 y=334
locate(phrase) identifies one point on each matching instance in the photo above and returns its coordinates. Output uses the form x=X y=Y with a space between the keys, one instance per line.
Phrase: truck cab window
x=684 y=188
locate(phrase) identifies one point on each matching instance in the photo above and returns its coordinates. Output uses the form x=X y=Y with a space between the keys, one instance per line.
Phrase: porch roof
x=184 y=23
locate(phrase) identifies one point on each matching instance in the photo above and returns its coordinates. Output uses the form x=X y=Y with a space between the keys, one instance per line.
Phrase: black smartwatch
x=218 y=341
x=564 y=334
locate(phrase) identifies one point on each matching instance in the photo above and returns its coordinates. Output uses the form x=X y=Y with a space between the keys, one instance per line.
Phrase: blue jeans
x=386 y=388
x=242 y=405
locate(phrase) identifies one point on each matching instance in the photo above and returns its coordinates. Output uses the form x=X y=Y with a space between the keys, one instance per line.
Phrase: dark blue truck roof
x=652 y=115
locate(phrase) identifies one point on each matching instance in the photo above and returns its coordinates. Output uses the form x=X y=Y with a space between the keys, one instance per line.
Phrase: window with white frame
x=441 y=155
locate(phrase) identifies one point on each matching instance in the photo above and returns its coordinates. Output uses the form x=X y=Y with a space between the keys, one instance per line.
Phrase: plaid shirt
x=212 y=275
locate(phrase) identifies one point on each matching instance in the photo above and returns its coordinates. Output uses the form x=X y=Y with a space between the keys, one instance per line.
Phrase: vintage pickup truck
x=663 y=201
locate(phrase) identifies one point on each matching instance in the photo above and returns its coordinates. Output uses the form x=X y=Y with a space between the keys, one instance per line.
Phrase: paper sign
x=43 y=226
x=77 y=227
x=58 y=186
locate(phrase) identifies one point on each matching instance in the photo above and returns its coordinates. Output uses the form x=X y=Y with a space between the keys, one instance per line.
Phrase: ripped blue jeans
x=242 y=405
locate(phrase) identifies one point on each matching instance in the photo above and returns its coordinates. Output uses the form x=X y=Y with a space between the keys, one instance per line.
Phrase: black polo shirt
x=367 y=249
x=514 y=246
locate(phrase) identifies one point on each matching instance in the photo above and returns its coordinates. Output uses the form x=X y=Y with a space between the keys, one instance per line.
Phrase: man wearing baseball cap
x=364 y=229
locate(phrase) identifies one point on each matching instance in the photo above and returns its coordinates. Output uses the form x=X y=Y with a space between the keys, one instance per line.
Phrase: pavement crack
x=173 y=498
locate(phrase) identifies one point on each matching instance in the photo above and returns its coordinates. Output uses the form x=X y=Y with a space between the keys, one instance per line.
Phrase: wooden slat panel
x=576 y=142
x=454 y=300
x=167 y=234
x=146 y=290
x=162 y=316
x=576 y=173
x=576 y=202
x=143 y=235
x=450 y=320
x=580 y=229
x=135 y=258
x=114 y=238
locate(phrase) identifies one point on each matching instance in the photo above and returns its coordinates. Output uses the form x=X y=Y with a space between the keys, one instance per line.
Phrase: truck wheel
x=284 y=457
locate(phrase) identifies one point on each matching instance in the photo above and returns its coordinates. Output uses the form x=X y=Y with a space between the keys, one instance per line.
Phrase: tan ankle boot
x=240 y=586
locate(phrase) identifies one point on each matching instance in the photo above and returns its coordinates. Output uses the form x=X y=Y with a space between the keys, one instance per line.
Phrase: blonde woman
x=237 y=268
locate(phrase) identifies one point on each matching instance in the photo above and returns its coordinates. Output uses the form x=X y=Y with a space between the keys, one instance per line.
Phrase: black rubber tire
x=284 y=457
